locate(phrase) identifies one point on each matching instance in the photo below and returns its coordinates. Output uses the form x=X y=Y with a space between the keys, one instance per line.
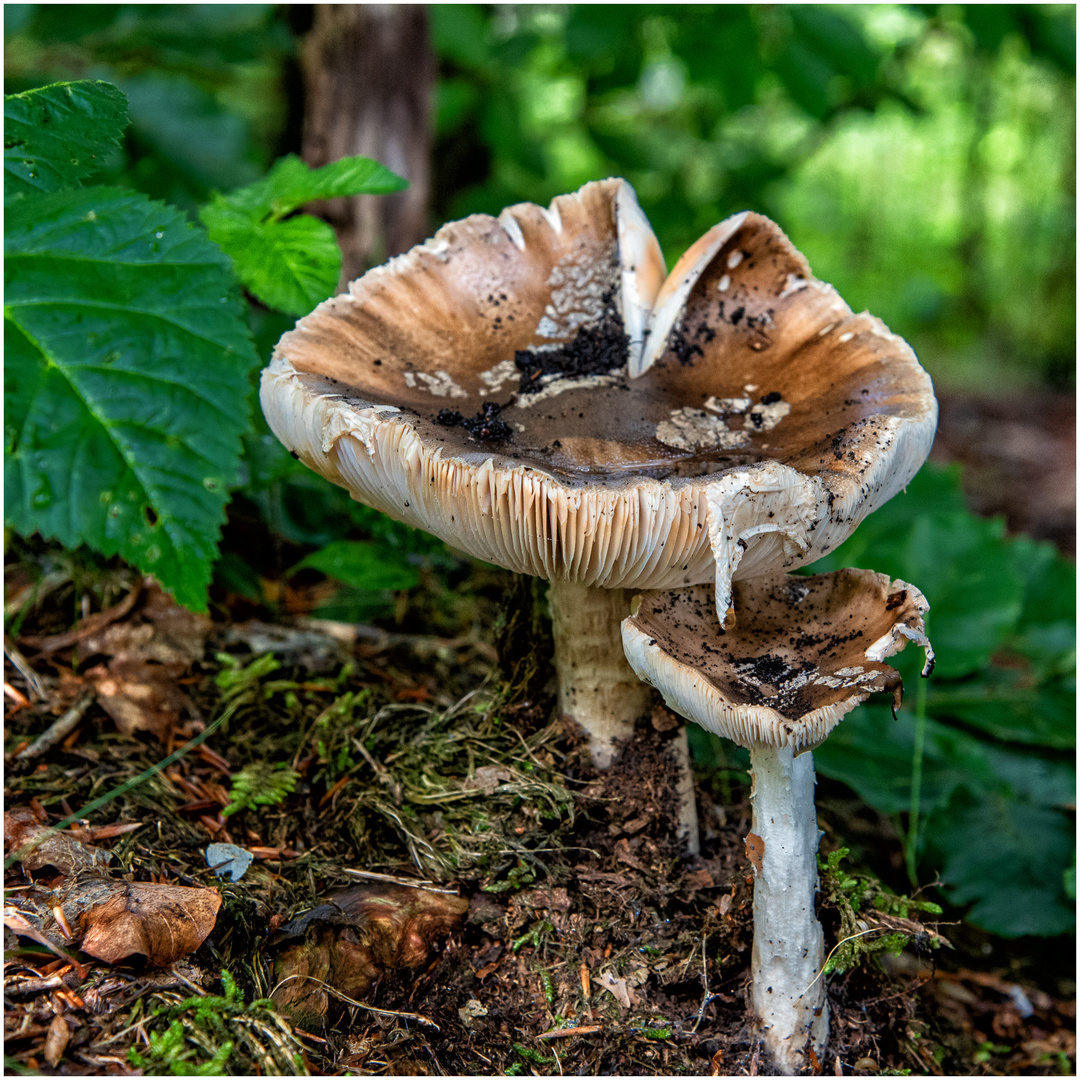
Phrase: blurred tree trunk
x=369 y=75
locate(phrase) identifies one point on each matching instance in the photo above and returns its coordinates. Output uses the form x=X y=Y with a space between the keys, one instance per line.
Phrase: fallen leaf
x=61 y=850
x=56 y=1040
x=19 y=923
x=116 y=919
x=141 y=696
x=160 y=631
x=355 y=939
x=618 y=988
x=550 y=899
x=147 y=653
x=487 y=778
x=84 y=628
x=699 y=879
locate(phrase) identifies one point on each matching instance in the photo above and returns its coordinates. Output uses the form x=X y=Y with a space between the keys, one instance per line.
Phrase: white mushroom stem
x=599 y=690
x=787 y=994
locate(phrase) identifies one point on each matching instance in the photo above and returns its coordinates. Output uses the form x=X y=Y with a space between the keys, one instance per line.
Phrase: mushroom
x=532 y=390
x=803 y=652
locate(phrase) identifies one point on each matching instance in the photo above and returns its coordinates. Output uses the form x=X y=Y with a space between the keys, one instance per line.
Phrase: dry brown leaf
x=141 y=696
x=487 y=778
x=354 y=940
x=617 y=987
x=60 y=850
x=625 y=855
x=116 y=919
x=161 y=631
x=56 y=1040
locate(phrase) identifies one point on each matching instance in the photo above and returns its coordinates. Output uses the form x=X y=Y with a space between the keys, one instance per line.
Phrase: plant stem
x=911 y=846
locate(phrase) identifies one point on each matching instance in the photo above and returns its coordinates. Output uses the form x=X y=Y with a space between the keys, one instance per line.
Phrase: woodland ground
x=423 y=751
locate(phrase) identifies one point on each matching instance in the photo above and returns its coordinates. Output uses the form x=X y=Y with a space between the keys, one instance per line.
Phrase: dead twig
x=59 y=729
x=85 y=628
x=33 y=680
x=359 y=1004
x=565 y=1033
x=707 y=997
x=411 y=882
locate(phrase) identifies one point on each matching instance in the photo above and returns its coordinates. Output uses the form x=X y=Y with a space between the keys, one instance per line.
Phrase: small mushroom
x=532 y=390
x=803 y=653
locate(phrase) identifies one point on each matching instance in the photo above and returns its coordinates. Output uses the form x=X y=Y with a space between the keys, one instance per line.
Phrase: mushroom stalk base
x=788 y=997
x=599 y=690
x=597 y=687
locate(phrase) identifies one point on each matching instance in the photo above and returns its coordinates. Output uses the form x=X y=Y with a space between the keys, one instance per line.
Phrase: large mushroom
x=802 y=652
x=531 y=389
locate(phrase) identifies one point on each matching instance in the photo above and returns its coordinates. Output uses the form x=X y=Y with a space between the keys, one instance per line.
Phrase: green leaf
x=362 y=565
x=56 y=136
x=126 y=382
x=1009 y=859
x=1010 y=711
x=290 y=263
x=291 y=184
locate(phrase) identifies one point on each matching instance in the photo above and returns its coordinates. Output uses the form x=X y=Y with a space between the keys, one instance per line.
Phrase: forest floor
x=440 y=883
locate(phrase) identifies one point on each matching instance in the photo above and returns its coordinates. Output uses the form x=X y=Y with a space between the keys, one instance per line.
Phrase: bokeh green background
x=921 y=156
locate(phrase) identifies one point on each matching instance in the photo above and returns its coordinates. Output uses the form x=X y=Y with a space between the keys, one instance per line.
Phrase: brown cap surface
x=803 y=653
x=480 y=387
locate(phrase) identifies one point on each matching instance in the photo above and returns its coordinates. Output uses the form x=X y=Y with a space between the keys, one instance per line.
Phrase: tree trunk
x=369 y=74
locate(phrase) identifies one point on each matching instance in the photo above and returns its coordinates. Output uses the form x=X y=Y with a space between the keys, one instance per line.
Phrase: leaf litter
x=518 y=912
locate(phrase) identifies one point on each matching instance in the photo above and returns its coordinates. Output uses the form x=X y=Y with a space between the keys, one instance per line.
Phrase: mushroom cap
x=803 y=653
x=531 y=388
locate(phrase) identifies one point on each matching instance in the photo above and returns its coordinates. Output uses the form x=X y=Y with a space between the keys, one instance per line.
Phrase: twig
x=705 y=982
x=59 y=729
x=359 y=1004
x=33 y=680
x=564 y=1033
x=411 y=882
x=861 y=933
x=86 y=627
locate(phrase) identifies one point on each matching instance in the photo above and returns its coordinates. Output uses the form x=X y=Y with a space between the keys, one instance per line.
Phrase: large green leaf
x=126 y=381
x=56 y=136
x=1009 y=859
x=290 y=263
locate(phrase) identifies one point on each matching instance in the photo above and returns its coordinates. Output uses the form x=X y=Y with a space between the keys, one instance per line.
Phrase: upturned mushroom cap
x=804 y=652
x=531 y=389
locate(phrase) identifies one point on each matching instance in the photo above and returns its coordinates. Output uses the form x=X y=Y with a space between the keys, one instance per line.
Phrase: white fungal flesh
x=728 y=405
x=439 y=385
x=597 y=687
x=787 y=990
x=766 y=417
x=695 y=429
x=495 y=377
x=559 y=386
